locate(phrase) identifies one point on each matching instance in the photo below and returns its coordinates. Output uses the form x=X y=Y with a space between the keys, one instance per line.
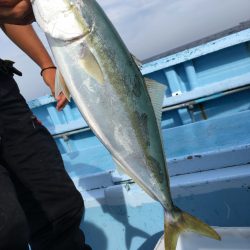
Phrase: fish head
x=60 y=19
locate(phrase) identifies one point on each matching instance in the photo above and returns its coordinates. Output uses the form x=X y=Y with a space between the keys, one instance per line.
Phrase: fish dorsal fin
x=60 y=85
x=137 y=61
x=156 y=92
x=120 y=169
x=91 y=65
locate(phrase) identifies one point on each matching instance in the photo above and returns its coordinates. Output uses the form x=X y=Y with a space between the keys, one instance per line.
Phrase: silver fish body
x=110 y=92
x=115 y=102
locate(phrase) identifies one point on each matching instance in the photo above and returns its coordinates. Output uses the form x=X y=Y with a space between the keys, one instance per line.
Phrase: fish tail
x=178 y=222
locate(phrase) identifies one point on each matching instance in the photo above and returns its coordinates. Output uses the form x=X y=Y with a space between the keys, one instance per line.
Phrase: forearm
x=27 y=40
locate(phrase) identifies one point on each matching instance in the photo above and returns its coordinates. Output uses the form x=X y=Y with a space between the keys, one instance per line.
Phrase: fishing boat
x=206 y=135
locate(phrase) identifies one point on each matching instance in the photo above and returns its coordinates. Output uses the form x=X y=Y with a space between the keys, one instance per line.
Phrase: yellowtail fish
x=119 y=105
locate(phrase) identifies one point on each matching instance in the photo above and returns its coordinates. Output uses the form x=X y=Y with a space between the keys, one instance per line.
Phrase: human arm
x=26 y=39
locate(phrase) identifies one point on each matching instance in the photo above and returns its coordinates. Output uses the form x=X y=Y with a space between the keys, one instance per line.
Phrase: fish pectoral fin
x=156 y=92
x=60 y=85
x=91 y=66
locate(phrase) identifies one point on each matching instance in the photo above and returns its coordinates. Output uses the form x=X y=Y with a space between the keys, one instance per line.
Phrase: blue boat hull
x=206 y=121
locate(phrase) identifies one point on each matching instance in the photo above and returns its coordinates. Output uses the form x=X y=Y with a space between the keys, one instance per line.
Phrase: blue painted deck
x=206 y=134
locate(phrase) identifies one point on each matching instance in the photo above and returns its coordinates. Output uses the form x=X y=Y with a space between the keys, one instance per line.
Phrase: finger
x=61 y=105
x=21 y=13
x=61 y=102
x=59 y=97
x=8 y=3
x=29 y=19
x=6 y=11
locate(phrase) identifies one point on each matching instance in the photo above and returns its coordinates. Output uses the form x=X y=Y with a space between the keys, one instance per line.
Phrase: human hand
x=49 y=78
x=16 y=12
